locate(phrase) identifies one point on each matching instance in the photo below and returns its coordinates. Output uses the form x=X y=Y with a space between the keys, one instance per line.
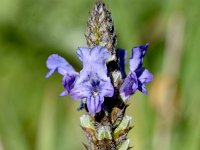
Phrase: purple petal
x=106 y=88
x=64 y=93
x=137 y=56
x=143 y=89
x=122 y=54
x=50 y=73
x=81 y=90
x=93 y=59
x=83 y=53
x=59 y=64
x=99 y=53
x=129 y=86
x=145 y=77
x=82 y=87
x=68 y=82
x=94 y=104
x=95 y=53
x=80 y=93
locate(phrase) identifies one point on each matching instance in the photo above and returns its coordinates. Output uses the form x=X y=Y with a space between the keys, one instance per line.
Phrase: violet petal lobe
x=129 y=86
x=59 y=64
x=142 y=88
x=106 y=88
x=137 y=56
x=82 y=89
x=68 y=83
x=94 y=104
x=93 y=59
x=64 y=93
x=143 y=78
x=122 y=54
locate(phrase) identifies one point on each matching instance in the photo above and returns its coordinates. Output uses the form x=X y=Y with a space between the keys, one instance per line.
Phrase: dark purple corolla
x=92 y=84
x=138 y=76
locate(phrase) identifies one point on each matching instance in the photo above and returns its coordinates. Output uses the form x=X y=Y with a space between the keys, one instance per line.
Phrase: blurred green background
x=34 y=117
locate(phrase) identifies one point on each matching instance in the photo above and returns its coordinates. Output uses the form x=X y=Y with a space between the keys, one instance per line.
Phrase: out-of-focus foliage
x=33 y=116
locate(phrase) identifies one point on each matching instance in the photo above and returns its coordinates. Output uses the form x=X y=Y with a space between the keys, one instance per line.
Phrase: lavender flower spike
x=138 y=76
x=93 y=84
x=56 y=63
x=102 y=85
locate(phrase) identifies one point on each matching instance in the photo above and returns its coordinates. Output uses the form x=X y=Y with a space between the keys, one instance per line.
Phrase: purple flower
x=138 y=76
x=93 y=84
x=56 y=63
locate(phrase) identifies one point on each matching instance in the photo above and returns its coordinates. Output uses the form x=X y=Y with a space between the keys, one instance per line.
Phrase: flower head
x=92 y=84
x=138 y=76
